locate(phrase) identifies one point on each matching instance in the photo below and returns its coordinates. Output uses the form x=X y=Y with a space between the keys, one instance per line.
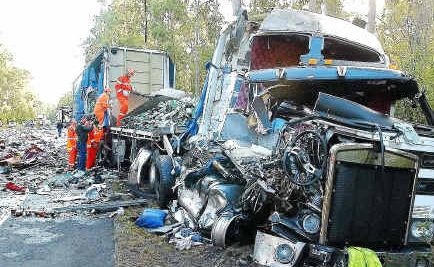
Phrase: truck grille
x=367 y=206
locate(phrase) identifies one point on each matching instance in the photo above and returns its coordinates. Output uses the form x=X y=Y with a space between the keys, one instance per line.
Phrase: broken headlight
x=310 y=222
x=421 y=230
x=284 y=253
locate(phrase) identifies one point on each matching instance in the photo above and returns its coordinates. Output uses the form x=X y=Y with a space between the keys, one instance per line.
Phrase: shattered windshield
x=272 y=51
x=338 y=49
x=301 y=95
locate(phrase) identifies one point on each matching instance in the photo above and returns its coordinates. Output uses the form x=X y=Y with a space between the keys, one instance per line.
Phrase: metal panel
x=156 y=87
x=137 y=56
x=149 y=67
x=303 y=21
x=157 y=61
x=157 y=78
x=138 y=66
x=114 y=73
x=143 y=88
x=267 y=246
x=141 y=77
x=117 y=59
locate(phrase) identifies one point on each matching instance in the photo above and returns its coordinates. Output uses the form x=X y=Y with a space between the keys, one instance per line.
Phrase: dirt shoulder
x=136 y=247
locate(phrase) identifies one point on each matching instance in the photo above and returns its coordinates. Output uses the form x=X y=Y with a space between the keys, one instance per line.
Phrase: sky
x=45 y=38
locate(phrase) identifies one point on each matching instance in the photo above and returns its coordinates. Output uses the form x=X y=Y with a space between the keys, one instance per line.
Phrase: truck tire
x=164 y=180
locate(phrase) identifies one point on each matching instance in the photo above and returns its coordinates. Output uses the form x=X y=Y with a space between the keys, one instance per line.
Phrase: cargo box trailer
x=154 y=69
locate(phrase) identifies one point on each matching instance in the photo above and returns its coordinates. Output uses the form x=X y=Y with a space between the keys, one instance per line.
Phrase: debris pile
x=160 y=222
x=26 y=147
x=35 y=183
x=28 y=156
x=166 y=113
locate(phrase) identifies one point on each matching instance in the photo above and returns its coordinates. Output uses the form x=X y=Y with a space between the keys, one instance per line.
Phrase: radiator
x=364 y=204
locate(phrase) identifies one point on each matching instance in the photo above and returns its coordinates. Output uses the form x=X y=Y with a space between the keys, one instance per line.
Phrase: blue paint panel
x=171 y=74
x=316 y=45
x=101 y=80
x=85 y=79
x=325 y=73
x=93 y=81
x=78 y=104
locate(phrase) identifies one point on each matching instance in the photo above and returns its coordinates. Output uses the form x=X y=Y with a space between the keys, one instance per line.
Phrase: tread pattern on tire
x=165 y=180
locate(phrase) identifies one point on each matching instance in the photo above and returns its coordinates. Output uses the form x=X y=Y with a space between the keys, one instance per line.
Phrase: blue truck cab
x=297 y=78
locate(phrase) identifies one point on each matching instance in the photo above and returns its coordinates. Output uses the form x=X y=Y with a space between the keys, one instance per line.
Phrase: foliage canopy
x=168 y=25
x=18 y=103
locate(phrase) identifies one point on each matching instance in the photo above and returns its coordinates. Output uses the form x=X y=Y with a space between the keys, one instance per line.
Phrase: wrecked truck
x=293 y=144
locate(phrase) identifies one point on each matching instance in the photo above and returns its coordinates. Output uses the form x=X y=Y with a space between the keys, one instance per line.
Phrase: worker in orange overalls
x=91 y=149
x=101 y=106
x=71 y=144
x=94 y=138
x=123 y=89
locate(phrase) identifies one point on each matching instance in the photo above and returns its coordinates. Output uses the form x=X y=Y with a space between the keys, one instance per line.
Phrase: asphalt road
x=72 y=242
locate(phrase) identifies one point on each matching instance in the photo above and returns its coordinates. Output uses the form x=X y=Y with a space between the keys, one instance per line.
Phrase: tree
x=170 y=27
x=18 y=103
x=332 y=7
x=407 y=32
x=315 y=6
x=119 y=24
x=372 y=16
x=65 y=100
x=257 y=7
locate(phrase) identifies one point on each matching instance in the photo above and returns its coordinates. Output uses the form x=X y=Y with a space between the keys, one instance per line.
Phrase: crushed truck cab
x=293 y=144
x=296 y=139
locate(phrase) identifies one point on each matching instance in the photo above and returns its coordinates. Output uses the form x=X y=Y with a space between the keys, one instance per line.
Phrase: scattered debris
x=103 y=207
x=29 y=212
x=185 y=238
x=151 y=218
x=166 y=113
x=13 y=187
x=119 y=212
x=4 y=215
x=92 y=193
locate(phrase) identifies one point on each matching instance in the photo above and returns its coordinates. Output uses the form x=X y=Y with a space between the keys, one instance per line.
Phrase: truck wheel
x=164 y=180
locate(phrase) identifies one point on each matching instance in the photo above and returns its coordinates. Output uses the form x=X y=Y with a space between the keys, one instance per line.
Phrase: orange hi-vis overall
x=91 y=149
x=101 y=106
x=93 y=139
x=123 y=89
x=71 y=146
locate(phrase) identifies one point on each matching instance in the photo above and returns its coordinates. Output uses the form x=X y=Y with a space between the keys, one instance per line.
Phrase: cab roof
x=290 y=20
